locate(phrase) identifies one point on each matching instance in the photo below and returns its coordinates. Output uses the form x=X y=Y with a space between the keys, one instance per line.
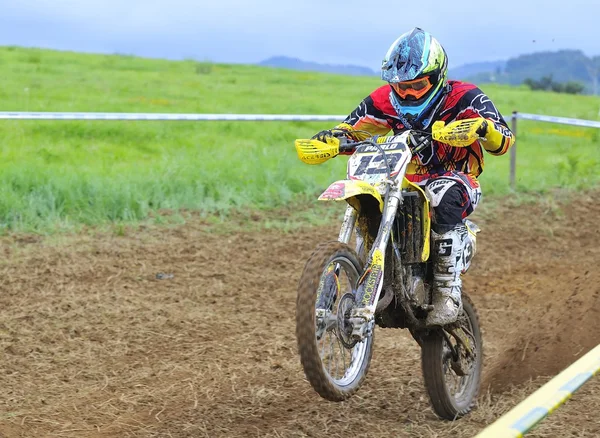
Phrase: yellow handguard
x=315 y=151
x=460 y=133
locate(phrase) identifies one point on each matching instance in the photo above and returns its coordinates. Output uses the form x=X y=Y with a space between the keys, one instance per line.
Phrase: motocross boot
x=447 y=285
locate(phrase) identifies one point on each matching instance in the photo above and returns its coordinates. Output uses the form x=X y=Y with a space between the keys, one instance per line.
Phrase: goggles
x=416 y=88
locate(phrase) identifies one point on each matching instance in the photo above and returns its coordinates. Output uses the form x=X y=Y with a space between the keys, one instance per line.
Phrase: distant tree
x=557 y=87
x=593 y=69
x=596 y=62
x=573 y=87
x=548 y=84
x=531 y=83
x=545 y=83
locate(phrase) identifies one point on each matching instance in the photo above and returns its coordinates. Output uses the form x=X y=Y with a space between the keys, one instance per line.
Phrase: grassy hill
x=62 y=174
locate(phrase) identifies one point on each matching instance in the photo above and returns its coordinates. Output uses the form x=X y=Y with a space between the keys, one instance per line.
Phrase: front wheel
x=334 y=363
x=452 y=376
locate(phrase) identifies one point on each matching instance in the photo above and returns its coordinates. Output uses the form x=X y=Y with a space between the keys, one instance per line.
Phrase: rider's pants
x=453 y=197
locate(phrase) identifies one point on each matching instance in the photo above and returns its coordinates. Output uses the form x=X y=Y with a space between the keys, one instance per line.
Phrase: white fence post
x=513 y=153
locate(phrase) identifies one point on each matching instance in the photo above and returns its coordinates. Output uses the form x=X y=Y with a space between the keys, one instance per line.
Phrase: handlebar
x=418 y=141
x=459 y=133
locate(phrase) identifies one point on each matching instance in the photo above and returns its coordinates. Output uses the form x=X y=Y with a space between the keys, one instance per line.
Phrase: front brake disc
x=344 y=326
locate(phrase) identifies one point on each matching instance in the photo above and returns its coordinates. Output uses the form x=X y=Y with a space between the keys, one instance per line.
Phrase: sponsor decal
x=468 y=253
x=318 y=156
x=334 y=191
x=384 y=146
x=444 y=247
x=372 y=277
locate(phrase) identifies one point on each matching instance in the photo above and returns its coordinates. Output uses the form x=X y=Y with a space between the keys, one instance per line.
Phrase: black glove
x=323 y=135
x=482 y=130
x=329 y=133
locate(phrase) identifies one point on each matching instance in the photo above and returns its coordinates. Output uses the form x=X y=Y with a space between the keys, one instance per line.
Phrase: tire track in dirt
x=95 y=345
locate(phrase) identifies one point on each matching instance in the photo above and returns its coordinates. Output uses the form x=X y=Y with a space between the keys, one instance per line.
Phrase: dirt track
x=95 y=345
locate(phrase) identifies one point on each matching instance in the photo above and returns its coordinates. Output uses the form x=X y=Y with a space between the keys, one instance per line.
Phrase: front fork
x=348 y=225
x=326 y=319
x=370 y=283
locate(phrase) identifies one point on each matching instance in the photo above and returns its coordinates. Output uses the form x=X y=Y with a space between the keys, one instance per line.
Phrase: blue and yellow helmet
x=416 y=67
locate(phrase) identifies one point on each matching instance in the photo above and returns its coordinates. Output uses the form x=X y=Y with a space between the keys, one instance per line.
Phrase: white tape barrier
x=21 y=115
x=522 y=418
x=562 y=120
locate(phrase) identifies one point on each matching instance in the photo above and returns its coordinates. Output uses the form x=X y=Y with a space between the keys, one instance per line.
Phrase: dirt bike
x=386 y=279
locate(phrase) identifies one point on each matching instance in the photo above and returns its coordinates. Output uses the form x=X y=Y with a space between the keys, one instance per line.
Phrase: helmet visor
x=416 y=88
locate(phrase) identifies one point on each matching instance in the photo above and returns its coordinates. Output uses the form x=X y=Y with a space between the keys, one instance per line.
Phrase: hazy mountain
x=563 y=66
x=298 y=64
x=460 y=72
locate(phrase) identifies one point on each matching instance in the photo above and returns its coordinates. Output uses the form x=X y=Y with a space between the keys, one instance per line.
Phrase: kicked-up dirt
x=189 y=332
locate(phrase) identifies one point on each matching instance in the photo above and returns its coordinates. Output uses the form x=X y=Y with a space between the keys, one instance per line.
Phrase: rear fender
x=349 y=190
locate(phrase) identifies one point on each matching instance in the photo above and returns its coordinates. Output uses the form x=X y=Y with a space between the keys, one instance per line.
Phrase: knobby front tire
x=333 y=365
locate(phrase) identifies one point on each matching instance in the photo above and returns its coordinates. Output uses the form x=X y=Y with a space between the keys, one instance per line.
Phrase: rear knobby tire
x=326 y=385
x=446 y=403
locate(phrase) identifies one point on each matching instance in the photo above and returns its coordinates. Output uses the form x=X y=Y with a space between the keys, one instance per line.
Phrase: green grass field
x=64 y=174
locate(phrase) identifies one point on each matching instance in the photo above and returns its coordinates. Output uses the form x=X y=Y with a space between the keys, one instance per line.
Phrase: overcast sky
x=328 y=31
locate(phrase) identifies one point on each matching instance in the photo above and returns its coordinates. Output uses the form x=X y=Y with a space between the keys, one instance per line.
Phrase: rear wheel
x=334 y=363
x=452 y=376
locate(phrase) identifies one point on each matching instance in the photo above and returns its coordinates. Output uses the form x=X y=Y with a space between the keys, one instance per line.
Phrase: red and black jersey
x=376 y=115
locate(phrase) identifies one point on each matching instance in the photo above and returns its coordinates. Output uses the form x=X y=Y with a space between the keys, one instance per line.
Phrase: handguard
x=460 y=133
x=316 y=152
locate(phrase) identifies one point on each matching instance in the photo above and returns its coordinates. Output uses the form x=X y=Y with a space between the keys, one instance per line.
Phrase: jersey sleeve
x=369 y=117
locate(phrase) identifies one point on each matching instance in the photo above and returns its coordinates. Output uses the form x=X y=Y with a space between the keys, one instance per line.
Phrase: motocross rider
x=419 y=93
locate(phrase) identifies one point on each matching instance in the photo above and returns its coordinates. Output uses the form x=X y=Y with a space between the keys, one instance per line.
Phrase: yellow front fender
x=348 y=190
